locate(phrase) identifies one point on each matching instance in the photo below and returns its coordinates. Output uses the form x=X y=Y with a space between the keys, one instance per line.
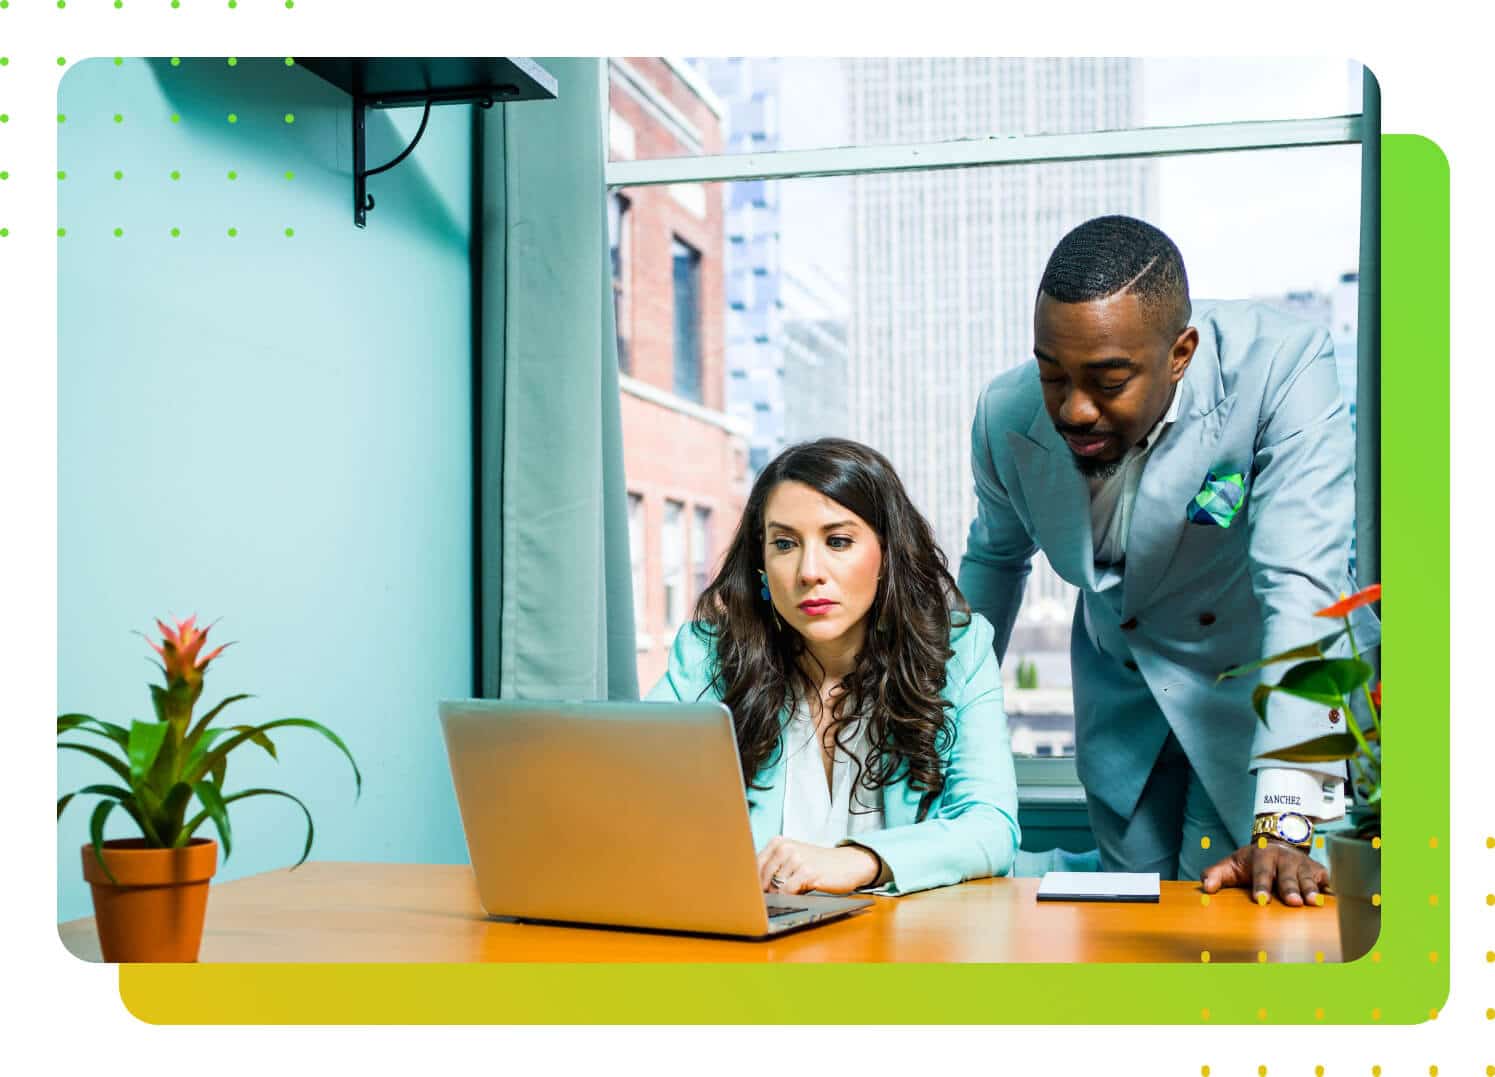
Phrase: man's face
x=1107 y=372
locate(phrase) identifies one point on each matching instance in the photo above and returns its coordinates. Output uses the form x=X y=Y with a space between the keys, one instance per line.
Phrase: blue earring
x=763 y=594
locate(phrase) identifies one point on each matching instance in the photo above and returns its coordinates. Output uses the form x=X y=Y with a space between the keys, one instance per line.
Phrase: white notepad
x=1099 y=886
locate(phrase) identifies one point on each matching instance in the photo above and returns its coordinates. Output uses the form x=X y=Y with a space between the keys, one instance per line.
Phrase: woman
x=865 y=696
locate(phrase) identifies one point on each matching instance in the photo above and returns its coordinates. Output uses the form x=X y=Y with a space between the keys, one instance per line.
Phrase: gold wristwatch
x=1292 y=827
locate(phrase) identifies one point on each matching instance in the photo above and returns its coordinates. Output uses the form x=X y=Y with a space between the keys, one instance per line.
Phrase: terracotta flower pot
x=1355 y=876
x=154 y=908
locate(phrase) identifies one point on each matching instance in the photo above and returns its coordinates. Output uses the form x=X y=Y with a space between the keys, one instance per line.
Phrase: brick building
x=685 y=458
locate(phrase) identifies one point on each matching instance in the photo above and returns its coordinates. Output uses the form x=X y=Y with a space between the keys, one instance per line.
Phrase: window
x=672 y=554
x=618 y=227
x=877 y=304
x=700 y=549
x=636 y=557
x=687 y=278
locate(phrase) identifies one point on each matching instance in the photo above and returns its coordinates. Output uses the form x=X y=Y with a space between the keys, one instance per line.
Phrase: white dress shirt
x=814 y=812
x=1278 y=789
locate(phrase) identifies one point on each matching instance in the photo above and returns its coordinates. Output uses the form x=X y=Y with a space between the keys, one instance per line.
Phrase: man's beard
x=1097 y=469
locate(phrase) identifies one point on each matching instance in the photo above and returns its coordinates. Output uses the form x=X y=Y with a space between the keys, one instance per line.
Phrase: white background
x=63 y=1017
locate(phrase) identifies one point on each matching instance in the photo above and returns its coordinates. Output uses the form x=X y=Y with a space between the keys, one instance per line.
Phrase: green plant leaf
x=218 y=755
x=96 y=834
x=1328 y=680
x=1326 y=749
x=118 y=766
x=146 y=739
x=202 y=816
x=206 y=719
x=1259 y=696
x=212 y=802
x=173 y=811
x=67 y=722
x=1316 y=649
x=258 y=738
x=63 y=802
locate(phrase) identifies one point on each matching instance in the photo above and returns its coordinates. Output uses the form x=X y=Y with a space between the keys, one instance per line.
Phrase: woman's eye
x=783 y=545
x=1114 y=389
x=838 y=542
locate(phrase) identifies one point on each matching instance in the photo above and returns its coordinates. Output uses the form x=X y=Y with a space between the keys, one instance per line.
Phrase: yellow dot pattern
x=1261 y=957
x=1261 y=1014
x=1204 y=899
x=1318 y=1071
x=1375 y=899
x=1318 y=1014
x=1204 y=956
x=1204 y=842
x=1375 y=1014
x=1375 y=843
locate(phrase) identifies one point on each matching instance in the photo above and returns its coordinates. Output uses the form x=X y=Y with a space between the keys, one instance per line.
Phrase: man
x=1191 y=471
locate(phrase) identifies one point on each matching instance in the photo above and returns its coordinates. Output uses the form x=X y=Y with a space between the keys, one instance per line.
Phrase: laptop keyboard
x=776 y=911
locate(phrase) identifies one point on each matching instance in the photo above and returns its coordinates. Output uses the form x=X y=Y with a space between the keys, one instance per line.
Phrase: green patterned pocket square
x=1218 y=500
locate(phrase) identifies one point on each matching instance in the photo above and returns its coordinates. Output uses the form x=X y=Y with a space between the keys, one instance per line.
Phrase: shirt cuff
x=1312 y=793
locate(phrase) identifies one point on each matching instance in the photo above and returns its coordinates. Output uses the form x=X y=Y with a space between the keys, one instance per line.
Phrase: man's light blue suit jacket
x=1260 y=398
x=971 y=828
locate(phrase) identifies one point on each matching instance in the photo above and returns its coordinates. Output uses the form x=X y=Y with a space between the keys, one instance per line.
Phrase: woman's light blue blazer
x=970 y=830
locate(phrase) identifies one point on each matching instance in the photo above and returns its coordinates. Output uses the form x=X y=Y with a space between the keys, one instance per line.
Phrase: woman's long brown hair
x=898 y=676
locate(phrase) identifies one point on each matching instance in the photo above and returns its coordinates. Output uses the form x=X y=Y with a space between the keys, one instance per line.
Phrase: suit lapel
x=1173 y=474
x=1058 y=500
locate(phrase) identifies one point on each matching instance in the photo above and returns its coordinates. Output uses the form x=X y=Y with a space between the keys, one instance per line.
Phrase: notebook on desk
x=615 y=814
x=1099 y=886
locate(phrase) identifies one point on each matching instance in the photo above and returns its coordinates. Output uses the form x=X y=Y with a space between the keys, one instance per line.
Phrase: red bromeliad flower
x=179 y=650
x=1353 y=602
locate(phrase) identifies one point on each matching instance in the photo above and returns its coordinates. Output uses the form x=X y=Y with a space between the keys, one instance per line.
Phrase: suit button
x=1127 y=626
x=1206 y=619
x=1130 y=665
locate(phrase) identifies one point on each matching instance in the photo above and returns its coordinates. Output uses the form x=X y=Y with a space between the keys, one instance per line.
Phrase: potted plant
x=1354 y=857
x=150 y=893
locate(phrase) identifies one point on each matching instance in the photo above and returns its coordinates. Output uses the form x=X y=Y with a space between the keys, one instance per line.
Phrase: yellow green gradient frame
x=1404 y=986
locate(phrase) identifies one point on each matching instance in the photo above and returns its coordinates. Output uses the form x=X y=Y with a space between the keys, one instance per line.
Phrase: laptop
x=614 y=814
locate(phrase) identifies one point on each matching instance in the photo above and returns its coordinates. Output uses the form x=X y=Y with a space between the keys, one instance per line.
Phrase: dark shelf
x=395 y=81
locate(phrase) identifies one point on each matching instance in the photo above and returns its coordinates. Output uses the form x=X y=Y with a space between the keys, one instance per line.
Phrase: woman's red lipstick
x=816 y=606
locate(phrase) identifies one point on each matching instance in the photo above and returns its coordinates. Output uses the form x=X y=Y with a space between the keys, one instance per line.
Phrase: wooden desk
x=343 y=912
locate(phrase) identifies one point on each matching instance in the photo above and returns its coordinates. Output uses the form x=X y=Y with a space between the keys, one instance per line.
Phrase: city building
x=787 y=308
x=685 y=457
x=945 y=265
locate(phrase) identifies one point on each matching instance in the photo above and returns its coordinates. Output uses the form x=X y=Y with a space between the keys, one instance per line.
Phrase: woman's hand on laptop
x=786 y=866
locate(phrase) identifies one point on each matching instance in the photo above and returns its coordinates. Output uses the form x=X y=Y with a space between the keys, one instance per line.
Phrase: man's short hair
x=1108 y=255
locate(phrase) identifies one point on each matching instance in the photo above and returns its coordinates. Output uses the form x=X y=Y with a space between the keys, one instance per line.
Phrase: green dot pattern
x=118 y=174
x=233 y=117
x=232 y=232
x=233 y=61
x=175 y=232
x=290 y=232
x=4 y=232
x=290 y=117
x=175 y=174
x=232 y=174
x=61 y=232
x=118 y=232
x=176 y=61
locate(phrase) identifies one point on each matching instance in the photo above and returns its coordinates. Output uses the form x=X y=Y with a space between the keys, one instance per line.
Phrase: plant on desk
x=150 y=893
x=1354 y=860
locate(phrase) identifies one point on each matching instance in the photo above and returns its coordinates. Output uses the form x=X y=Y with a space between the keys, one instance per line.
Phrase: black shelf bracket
x=363 y=202
x=404 y=82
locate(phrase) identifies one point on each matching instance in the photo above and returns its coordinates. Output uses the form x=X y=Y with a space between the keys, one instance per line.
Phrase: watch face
x=1294 y=828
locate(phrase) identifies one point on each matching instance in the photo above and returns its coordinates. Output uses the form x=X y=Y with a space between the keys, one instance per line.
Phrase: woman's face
x=823 y=563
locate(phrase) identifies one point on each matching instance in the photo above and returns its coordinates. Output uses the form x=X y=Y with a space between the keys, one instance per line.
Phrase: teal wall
x=273 y=431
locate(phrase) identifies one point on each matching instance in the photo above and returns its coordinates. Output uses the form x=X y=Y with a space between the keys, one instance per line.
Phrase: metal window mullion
x=988 y=152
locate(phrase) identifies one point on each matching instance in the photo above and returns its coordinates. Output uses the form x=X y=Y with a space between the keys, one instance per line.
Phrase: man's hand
x=786 y=866
x=1298 y=877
